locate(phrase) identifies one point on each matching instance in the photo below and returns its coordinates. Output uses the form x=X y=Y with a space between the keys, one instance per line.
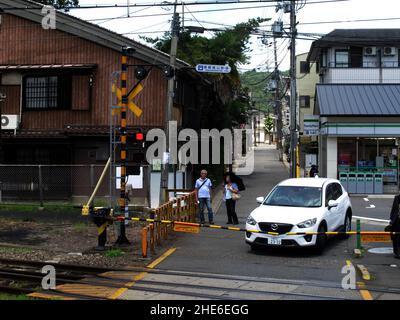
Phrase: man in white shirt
x=203 y=187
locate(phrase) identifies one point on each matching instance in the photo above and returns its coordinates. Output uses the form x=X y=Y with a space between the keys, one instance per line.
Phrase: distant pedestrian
x=313 y=171
x=203 y=187
x=230 y=190
x=394 y=225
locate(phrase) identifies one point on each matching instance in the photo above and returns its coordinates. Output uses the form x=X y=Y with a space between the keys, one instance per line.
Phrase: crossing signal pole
x=122 y=239
x=175 y=27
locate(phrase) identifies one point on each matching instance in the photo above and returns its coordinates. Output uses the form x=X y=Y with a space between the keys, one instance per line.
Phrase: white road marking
x=371 y=219
x=371 y=206
x=366 y=199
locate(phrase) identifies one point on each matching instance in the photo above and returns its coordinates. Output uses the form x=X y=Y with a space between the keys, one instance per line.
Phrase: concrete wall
x=305 y=87
x=331 y=157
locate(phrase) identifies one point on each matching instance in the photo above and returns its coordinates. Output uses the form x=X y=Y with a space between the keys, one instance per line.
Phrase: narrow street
x=204 y=260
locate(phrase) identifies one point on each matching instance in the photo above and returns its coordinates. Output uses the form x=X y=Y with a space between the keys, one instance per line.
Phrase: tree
x=59 y=4
x=229 y=46
x=269 y=126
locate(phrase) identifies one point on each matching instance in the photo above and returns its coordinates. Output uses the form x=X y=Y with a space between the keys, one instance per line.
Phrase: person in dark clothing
x=313 y=171
x=394 y=225
x=230 y=189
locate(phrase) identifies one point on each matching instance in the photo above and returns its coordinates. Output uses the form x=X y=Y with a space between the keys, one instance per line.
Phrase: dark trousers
x=230 y=211
x=396 y=245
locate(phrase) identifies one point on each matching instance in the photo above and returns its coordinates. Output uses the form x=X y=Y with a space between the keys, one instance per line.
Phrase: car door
x=330 y=214
x=339 y=196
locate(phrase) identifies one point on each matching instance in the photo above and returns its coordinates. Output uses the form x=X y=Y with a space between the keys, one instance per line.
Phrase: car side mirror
x=260 y=200
x=332 y=204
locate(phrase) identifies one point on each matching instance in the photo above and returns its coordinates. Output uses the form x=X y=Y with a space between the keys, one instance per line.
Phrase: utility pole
x=122 y=239
x=2 y=98
x=293 y=98
x=175 y=26
x=278 y=105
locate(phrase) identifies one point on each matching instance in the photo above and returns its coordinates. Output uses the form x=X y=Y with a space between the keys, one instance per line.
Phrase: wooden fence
x=181 y=208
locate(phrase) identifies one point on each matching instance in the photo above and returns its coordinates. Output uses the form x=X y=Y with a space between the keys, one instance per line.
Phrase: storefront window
x=370 y=155
x=347 y=154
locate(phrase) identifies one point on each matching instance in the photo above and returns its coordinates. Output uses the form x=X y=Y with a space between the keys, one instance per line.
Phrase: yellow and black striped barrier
x=211 y=226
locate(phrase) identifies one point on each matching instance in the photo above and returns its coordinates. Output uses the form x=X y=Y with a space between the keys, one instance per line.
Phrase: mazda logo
x=274 y=226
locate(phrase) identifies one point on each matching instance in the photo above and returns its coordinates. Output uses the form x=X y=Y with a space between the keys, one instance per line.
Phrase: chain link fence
x=46 y=183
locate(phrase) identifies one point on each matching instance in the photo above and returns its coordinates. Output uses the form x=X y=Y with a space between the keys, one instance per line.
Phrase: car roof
x=307 y=182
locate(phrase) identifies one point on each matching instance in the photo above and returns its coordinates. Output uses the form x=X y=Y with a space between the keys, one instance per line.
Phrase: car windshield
x=295 y=196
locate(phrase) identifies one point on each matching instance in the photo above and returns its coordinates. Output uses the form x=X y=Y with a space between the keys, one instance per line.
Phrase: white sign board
x=213 y=68
x=311 y=125
x=135 y=181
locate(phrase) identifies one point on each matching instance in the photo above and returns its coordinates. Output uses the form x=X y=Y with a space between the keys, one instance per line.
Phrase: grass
x=114 y=253
x=26 y=207
x=14 y=250
x=4 y=296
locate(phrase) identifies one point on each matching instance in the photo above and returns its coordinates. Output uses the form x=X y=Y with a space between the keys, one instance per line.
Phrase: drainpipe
x=380 y=64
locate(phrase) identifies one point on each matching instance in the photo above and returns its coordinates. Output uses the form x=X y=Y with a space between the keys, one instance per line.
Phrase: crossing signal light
x=169 y=72
x=141 y=73
x=139 y=137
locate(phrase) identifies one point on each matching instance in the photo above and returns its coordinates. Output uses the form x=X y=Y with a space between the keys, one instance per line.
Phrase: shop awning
x=358 y=100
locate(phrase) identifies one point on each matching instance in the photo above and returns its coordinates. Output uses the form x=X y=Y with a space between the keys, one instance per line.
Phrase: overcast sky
x=262 y=55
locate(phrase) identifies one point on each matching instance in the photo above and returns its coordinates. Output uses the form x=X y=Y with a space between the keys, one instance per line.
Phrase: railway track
x=174 y=283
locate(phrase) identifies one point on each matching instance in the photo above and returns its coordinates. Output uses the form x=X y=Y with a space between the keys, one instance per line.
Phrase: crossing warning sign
x=186 y=227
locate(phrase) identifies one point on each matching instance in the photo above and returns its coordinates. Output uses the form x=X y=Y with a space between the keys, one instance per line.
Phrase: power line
x=162 y=4
x=210 y=10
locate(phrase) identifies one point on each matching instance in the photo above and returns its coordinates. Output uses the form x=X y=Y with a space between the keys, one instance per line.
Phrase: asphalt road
x=224 y=253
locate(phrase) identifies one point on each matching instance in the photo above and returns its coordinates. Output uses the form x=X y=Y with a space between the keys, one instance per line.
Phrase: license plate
x=274 y=241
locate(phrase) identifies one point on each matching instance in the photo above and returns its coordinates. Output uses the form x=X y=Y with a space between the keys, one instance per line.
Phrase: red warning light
x=139 y=136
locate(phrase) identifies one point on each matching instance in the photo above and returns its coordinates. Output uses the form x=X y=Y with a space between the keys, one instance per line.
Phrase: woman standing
x=230 y=189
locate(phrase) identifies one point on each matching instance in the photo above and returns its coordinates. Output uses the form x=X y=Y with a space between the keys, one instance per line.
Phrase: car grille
x=282 y=227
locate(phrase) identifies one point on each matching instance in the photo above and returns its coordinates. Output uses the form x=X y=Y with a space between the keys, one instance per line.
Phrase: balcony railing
x=366 y=64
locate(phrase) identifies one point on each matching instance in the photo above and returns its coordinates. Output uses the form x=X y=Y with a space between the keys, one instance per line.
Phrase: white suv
x=300 y=205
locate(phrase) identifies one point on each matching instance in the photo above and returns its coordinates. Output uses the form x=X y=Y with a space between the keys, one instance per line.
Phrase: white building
x=358 y=101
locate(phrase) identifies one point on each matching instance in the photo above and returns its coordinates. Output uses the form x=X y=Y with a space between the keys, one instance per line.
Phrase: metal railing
x=46 y=183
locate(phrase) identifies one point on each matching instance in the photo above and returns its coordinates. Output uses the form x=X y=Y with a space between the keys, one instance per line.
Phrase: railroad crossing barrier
x=192 y=225
x=180 y=209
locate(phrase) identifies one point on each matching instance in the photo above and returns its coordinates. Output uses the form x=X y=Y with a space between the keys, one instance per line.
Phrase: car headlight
x=308 y=223
x=250 y=220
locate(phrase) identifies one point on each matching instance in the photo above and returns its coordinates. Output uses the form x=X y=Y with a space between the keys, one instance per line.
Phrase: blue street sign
x=213 y=68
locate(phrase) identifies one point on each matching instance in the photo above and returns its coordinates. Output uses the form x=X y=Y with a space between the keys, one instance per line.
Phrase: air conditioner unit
x=370 y=51
x=389 y=51
x=9 y=122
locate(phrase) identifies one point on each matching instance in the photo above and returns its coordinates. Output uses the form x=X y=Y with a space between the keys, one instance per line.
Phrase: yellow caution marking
x=365 y=294
x=101 y=229
x=118 y=293
x=160 y=259
x=234 y=229
x=141 y=275
x=215 y=227
x=364 y=272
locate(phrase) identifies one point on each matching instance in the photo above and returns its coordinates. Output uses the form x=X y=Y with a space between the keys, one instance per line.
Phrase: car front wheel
x=346 y=227
x=321 y=239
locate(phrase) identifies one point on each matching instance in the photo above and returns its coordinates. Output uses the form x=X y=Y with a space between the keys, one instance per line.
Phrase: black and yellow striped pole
x=124 y=105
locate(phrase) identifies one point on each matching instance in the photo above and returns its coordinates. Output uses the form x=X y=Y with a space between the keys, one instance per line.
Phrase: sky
x=153 y=21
